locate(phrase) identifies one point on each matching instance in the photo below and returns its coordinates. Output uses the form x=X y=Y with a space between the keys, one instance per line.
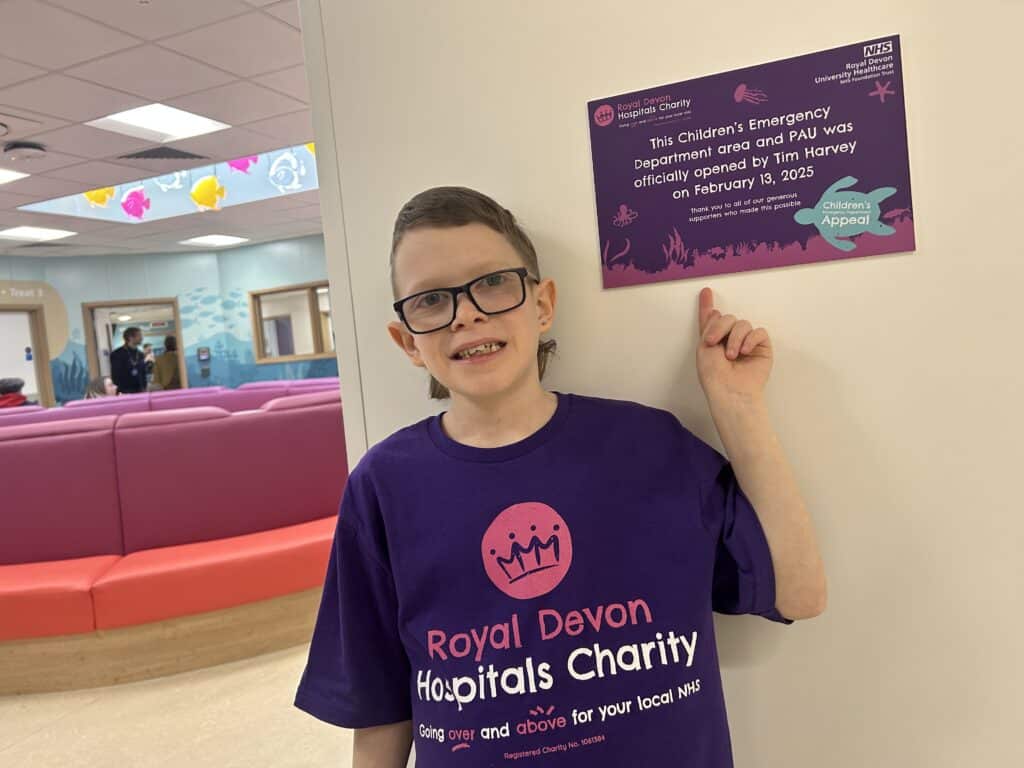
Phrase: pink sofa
x=122 y=519
x=22 y=409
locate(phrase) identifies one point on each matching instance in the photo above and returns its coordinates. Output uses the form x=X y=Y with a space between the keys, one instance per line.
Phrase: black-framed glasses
x=492 y=294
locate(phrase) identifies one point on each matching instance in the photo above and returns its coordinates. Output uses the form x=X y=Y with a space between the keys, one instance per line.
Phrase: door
x=23 y=353
x=106 y=322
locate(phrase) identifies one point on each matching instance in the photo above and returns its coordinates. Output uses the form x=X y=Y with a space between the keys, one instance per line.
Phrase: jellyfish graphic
x=286 y=173
x=171 y=181
x=749 y=95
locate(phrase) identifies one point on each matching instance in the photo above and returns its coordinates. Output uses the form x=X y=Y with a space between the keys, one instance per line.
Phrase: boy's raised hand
x=733 y=358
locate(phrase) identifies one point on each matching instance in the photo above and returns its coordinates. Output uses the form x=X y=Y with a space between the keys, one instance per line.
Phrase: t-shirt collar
x=505 y=452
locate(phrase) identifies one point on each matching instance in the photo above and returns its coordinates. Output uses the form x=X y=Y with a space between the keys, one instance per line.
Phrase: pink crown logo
x=527 y=550
x=535 y=557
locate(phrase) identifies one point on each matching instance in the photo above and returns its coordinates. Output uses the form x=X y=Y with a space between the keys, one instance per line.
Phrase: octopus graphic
x=750 y=95
x=624 y=216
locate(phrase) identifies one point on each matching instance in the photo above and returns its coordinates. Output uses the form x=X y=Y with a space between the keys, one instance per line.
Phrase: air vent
x=28 y=246
x=162 y=153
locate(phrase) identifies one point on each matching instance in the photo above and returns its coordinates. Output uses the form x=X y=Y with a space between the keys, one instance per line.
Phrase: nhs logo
x=877 y=49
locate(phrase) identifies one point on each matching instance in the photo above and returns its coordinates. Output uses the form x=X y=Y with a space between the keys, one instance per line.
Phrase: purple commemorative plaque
x=796 y=161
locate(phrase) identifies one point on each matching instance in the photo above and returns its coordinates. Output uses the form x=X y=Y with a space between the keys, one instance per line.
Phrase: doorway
x=105 y=322
x=24 y=353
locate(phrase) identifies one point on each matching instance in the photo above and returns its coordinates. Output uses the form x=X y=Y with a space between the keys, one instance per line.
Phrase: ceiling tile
x=248 y=45
x=66 y=38
x=12 y=200
x=312 y=197
x=42 y=187
x=67 y=97
x=287 y=11
x=70 y=223
x=151 y=72
x=291 y=81
x=98 y=173
x=155 y=19
x=92 y=143
x=258 y=3
x=48 y=162
x=148 y=168
x=21 y=123
x=14 y=71
x=305 y=212
x=229 y=144
x=292 y=129
x=237 y=103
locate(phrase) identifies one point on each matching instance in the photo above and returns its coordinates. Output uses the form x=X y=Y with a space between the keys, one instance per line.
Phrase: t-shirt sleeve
x=744 y=576
x=357 y=674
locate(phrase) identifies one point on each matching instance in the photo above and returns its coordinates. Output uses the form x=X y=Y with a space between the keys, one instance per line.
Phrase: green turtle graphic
x=843 y=214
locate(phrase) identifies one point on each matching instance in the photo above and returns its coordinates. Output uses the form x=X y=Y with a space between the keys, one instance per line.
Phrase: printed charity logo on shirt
x=527 y=550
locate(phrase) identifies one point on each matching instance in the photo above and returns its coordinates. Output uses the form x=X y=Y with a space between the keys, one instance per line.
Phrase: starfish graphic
x=881 y=91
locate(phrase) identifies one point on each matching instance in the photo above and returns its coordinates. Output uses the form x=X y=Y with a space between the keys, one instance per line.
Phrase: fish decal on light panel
x=98 y=198
x=286 y=173
x=242 y=164
x=207 y=193
x=171 y=181
x=135 y=203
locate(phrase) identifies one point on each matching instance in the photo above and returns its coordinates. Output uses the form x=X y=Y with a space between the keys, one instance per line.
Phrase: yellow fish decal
x=207 y=193
x=98 y=198
x=312 y=148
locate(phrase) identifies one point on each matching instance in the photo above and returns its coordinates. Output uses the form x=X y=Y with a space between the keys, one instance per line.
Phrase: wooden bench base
x=109 y=657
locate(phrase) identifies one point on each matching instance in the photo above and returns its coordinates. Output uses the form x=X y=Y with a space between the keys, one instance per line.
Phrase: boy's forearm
x=767 y=479
x=385 y=746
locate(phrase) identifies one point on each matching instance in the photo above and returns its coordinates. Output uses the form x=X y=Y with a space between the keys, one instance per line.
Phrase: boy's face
x=429 y=258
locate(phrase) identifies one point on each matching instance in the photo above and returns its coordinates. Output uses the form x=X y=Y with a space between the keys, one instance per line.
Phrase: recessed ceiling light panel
x=34 y=234
x=206 y=189
x=159 y=123
x=7 y=176
x=217 y=241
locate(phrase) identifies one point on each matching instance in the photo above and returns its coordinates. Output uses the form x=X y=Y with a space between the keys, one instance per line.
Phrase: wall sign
x=796 y=161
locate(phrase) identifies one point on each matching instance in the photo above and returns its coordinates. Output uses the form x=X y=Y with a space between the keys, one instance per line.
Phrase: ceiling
x=66 y=62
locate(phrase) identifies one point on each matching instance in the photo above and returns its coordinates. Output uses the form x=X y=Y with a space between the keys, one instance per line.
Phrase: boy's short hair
x=455 y=207
x=11 y=386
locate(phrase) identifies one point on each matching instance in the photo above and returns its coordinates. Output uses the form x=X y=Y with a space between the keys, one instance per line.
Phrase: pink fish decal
x=135 y=203
x=242 y=163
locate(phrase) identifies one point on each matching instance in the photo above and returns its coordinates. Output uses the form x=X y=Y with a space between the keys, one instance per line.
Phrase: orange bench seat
x=168 y=582
x=51 y=597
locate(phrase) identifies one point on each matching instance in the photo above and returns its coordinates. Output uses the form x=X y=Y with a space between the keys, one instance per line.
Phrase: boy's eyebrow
x=429 y=285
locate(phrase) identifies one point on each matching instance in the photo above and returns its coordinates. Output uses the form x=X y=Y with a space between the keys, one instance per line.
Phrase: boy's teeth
x=479 y=350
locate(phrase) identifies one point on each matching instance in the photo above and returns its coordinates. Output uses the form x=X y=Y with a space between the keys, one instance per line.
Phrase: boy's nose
x=465 y=312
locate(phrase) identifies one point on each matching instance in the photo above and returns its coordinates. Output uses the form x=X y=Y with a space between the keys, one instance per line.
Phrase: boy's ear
x=547 y=297
x=406 y=342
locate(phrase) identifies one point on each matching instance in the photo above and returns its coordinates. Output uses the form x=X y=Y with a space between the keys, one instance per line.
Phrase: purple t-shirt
x=548 y=601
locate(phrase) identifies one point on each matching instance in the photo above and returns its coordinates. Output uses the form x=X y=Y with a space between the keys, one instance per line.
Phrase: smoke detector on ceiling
x=22 y=151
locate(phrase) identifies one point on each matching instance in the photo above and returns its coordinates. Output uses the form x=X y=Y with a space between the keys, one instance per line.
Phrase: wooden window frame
x=256 y=313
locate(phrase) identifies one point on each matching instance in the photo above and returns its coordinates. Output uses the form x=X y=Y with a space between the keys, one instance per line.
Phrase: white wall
x=896 y=390
x=15 y=335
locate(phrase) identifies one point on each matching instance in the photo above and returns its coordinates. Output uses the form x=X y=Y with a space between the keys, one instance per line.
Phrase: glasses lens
x=428 y=311
x=498 y=292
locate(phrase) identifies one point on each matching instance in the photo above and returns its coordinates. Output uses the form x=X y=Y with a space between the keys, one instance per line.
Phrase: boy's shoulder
x=629 y=413
x=399 y=449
